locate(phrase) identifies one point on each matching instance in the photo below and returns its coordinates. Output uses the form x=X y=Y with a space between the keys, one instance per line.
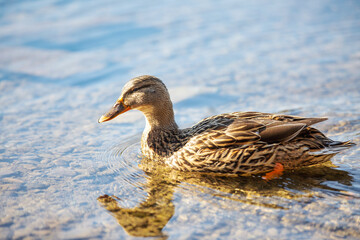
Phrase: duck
x=240 y=143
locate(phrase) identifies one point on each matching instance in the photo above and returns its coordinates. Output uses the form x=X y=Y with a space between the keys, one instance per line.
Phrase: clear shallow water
x=63 y=63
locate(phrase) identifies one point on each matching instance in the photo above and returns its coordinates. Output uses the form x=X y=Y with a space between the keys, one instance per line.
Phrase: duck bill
x=118 y=108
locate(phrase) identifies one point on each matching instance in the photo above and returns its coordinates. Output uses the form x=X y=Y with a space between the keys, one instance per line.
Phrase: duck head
x=147 y=94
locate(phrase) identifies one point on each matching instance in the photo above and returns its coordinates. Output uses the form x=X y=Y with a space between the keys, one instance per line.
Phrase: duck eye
x=138 y=88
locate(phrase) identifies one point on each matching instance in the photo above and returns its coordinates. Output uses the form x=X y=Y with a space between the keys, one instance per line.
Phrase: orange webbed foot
x=276 y=173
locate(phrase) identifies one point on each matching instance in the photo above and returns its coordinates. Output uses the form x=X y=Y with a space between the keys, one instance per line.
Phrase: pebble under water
x=63 y=64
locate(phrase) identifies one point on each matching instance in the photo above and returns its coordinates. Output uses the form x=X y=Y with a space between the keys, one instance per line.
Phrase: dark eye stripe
x=135 y=89
x=138 y=88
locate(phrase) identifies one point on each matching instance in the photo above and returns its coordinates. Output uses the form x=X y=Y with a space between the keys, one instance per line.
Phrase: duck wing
x=240 y=142
x=281 y=132
x=239 y=132
x=244 y=128
x=250 y=132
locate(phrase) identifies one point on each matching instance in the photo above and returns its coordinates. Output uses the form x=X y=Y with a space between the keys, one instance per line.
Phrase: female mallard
x=241 y=142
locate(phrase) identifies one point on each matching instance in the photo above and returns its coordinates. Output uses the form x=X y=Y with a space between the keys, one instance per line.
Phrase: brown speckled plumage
x=241 y=142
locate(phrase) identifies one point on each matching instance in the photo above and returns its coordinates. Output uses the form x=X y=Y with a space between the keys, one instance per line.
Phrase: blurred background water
x=63 y=64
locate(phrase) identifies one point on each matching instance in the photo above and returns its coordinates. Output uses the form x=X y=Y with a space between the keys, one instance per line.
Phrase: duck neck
x=161 y=130
x=160 y=119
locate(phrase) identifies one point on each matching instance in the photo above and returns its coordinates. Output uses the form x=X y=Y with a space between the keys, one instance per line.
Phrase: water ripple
x=120 y=166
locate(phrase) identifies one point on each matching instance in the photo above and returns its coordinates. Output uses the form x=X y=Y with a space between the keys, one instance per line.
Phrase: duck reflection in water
x=150 y=216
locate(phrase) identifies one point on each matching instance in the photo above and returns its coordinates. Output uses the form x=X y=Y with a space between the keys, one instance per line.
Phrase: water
x=63 y=64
